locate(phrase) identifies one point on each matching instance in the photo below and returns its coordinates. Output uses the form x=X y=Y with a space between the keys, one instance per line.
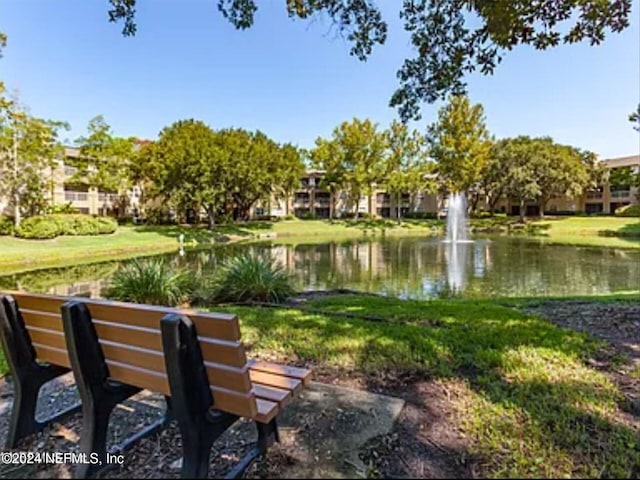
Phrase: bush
x=152 y=282
x=289 y=216
x=40 y=227
x=6 y=226
x=65 y=208
x=421 y=215
x=308 y=216
x=628 y=211
x=51 y=226
x=249 y=278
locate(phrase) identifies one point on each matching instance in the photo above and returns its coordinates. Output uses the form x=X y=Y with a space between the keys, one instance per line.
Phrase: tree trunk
x=16 y=193
x=211 y=214
x=541 y=205
x=398 y=214
x=331 y=205
x=371 y=209
x=522 y=210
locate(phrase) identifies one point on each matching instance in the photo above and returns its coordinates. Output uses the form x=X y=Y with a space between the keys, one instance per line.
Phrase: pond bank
x=18 y=255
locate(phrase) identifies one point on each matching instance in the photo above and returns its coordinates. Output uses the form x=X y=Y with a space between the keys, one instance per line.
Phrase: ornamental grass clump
x=152 y=282
x=252 y=278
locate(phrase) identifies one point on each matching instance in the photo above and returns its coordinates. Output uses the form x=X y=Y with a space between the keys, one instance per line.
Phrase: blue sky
x=294 y=80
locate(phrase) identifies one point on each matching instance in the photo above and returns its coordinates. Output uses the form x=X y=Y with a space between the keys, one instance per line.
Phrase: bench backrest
x=130 y=338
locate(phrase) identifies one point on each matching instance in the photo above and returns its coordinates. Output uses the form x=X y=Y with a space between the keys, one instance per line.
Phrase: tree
x=538 y=169
x=353 y=159
x=493 y=183
x=516 y=156
x=450 y=37
x=406 y=169
x=28 y=147
x=328 y=156
x=105 y=159
x=287 y=175
x=634 y=117
x=189 y=167
x=559 y=171
x=460 y=145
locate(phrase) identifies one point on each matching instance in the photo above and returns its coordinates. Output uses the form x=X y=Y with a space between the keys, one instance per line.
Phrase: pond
x=409 y=267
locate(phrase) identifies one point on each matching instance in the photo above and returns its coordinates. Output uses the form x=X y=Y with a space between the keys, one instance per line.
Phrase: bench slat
x=280 y=396
x=266 y=411
x=50 y=321
x=298 y=373
x=55 y=356
x=278 y=381
x=231 y=378
x=48 y=338
x=215 y=325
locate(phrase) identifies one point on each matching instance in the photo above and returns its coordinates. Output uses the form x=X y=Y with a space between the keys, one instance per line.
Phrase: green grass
x=591 y=231
x=525 y=397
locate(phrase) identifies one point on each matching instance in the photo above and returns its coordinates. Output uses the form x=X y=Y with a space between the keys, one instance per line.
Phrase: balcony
x=594 y=195
x=75 y=196
x=620 y=193
x=107 y=197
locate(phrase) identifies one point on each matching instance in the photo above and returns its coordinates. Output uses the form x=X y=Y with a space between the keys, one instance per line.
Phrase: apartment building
x=314 y=199
x=67 y=189
x=604 y=199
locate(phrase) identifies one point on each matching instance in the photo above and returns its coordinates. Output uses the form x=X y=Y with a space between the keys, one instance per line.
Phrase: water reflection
x=402 y=267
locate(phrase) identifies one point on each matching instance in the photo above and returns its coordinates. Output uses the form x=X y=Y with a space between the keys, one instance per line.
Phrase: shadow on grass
x=534 y=407
x=201 y=234
x=630 y=230
x=386 y=223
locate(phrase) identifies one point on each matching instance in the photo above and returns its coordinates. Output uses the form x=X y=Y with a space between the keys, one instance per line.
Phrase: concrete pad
x=326 y=426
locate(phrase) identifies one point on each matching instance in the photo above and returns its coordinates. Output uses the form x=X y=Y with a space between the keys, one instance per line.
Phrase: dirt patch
x=618 y=323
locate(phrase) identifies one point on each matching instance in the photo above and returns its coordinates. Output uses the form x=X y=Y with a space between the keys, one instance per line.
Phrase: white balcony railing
x=107 y=197
x=620 y=193
x=594 y=195
x=75 y=196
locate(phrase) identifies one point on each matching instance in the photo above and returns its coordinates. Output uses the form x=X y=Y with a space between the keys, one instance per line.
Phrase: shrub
x=152 y=282
x=421 y=215
x=248 y=278
x=628 y=211
x=40 y=227
x=50 y=226
x=308 y=216
x=6 y=225
x=160 y=216
x=65 y=208
x=289 y=216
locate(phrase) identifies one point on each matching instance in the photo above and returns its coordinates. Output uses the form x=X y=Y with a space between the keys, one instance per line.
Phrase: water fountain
x=457 y=240
x=457 y=223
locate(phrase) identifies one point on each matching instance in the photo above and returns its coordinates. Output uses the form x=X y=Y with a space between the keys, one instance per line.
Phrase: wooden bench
x=115 y=349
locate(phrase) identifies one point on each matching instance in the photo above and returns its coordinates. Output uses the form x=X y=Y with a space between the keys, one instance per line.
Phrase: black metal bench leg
x=191 y=399
x=268 y=434
x=99 y=395
x=28 y=375
x=23 y=414
x=95 y=426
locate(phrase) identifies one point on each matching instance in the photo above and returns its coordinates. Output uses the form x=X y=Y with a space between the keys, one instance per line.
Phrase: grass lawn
x=527 y=400
x=592 y=231
x=18 y=255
